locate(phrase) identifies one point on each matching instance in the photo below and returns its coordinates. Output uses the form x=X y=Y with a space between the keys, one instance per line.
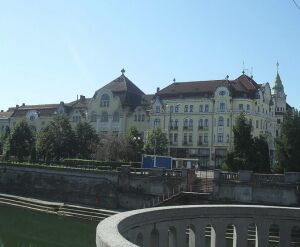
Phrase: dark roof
x=238 y=87
x=126 y=90
x=80 y=103
x=146 y=99
x=43 y=110
x=6 y=114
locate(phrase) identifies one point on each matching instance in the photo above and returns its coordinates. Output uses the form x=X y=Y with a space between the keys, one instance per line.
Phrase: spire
x=123 y=71
x=278 y=86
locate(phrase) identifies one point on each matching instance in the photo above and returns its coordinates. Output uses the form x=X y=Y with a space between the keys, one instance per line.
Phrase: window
x=205 y=139
x=116 y=117
x=175 y=137
x=139 y=117
x=186 y=108
x=104 y=116
x=201 y=108
x=258 y=109
x=143 y=117
x=191 y=123
x=206 y=123
x=157 y=122
x=190 y=138
x=200 y=139
x=241 y=107
x=248 y=107
x=171 y=109
x=176 y=123
x=32 y=117
x=257 y=124
x=278 y=121
x=135 y=118
x=227 y=139
x=191 y=108
x=221 y=121
x=200 y=122
x=206 y=108
x=220 y=138
x=157 y=109
x=185 y=138
x=177 y=108
x=222 y=107
x=228 y=122
x=104 y=100
x=222 y=93
x=185 y=123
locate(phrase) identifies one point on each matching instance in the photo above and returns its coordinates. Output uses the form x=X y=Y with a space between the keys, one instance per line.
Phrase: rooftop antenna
x=243 y=68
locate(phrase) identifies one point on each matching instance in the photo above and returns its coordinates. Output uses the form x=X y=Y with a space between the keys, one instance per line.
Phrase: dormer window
x=104 y=101
x=157 y=109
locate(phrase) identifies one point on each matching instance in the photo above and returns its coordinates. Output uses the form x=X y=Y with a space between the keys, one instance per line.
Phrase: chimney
x=2 y=111
x=17 y=106
x=23 y=104
x=157 y=89
x=82 y=98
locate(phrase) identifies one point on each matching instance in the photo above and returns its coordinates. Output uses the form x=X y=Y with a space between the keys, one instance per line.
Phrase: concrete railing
x=213 y=225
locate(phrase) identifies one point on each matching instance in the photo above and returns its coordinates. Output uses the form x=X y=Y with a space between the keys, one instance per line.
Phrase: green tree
x=288 y=143
x=86 y=140
x=57 y=140
x=156 y=142
x=248 y=153
x=21 y=141
x=135 y=145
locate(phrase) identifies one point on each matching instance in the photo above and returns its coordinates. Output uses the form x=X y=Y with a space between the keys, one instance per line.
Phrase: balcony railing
x=187 y=143
x=187 y=127
x=174 y=128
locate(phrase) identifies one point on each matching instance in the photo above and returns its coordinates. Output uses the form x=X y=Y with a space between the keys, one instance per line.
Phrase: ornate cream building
x=197 y=116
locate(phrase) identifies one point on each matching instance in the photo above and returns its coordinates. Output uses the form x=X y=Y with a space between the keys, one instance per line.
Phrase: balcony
x=174 y=128
x=187 y=127
x=194 y=225
x=187 y=143
x=202 y=144
x=204 y=128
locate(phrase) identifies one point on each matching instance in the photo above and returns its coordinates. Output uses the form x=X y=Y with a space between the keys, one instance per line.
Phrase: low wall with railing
x=127 y=188
x=212 y=226
x=249 y=187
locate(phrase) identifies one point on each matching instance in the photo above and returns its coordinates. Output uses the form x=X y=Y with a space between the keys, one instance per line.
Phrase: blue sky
x=50 y=51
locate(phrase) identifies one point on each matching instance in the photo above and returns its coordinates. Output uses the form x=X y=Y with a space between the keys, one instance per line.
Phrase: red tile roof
x=238 y=87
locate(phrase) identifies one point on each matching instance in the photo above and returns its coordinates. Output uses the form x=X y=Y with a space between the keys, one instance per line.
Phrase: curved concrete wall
x=213 y=225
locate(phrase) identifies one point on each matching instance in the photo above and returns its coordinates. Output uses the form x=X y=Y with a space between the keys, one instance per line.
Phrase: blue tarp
x=151 y=161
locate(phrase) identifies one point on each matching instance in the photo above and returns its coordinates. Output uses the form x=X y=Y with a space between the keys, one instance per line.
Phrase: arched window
x=185 y=123
x=104 y=101
x=200 y=123
x=221 y=121
x=206 y=123
x=116 y=116
x=231 y=236
x=104 y=116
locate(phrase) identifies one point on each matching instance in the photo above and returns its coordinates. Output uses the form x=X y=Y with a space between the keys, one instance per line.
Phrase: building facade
x=198 y=116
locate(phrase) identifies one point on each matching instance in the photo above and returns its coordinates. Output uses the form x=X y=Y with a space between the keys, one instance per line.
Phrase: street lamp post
x=136 y=140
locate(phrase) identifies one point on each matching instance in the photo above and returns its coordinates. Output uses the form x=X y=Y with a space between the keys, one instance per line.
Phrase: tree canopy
x=288 y=143
x=57 y=140
x=248 y=153
x=86 y=140
x=156 y=142
x=21 y=141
